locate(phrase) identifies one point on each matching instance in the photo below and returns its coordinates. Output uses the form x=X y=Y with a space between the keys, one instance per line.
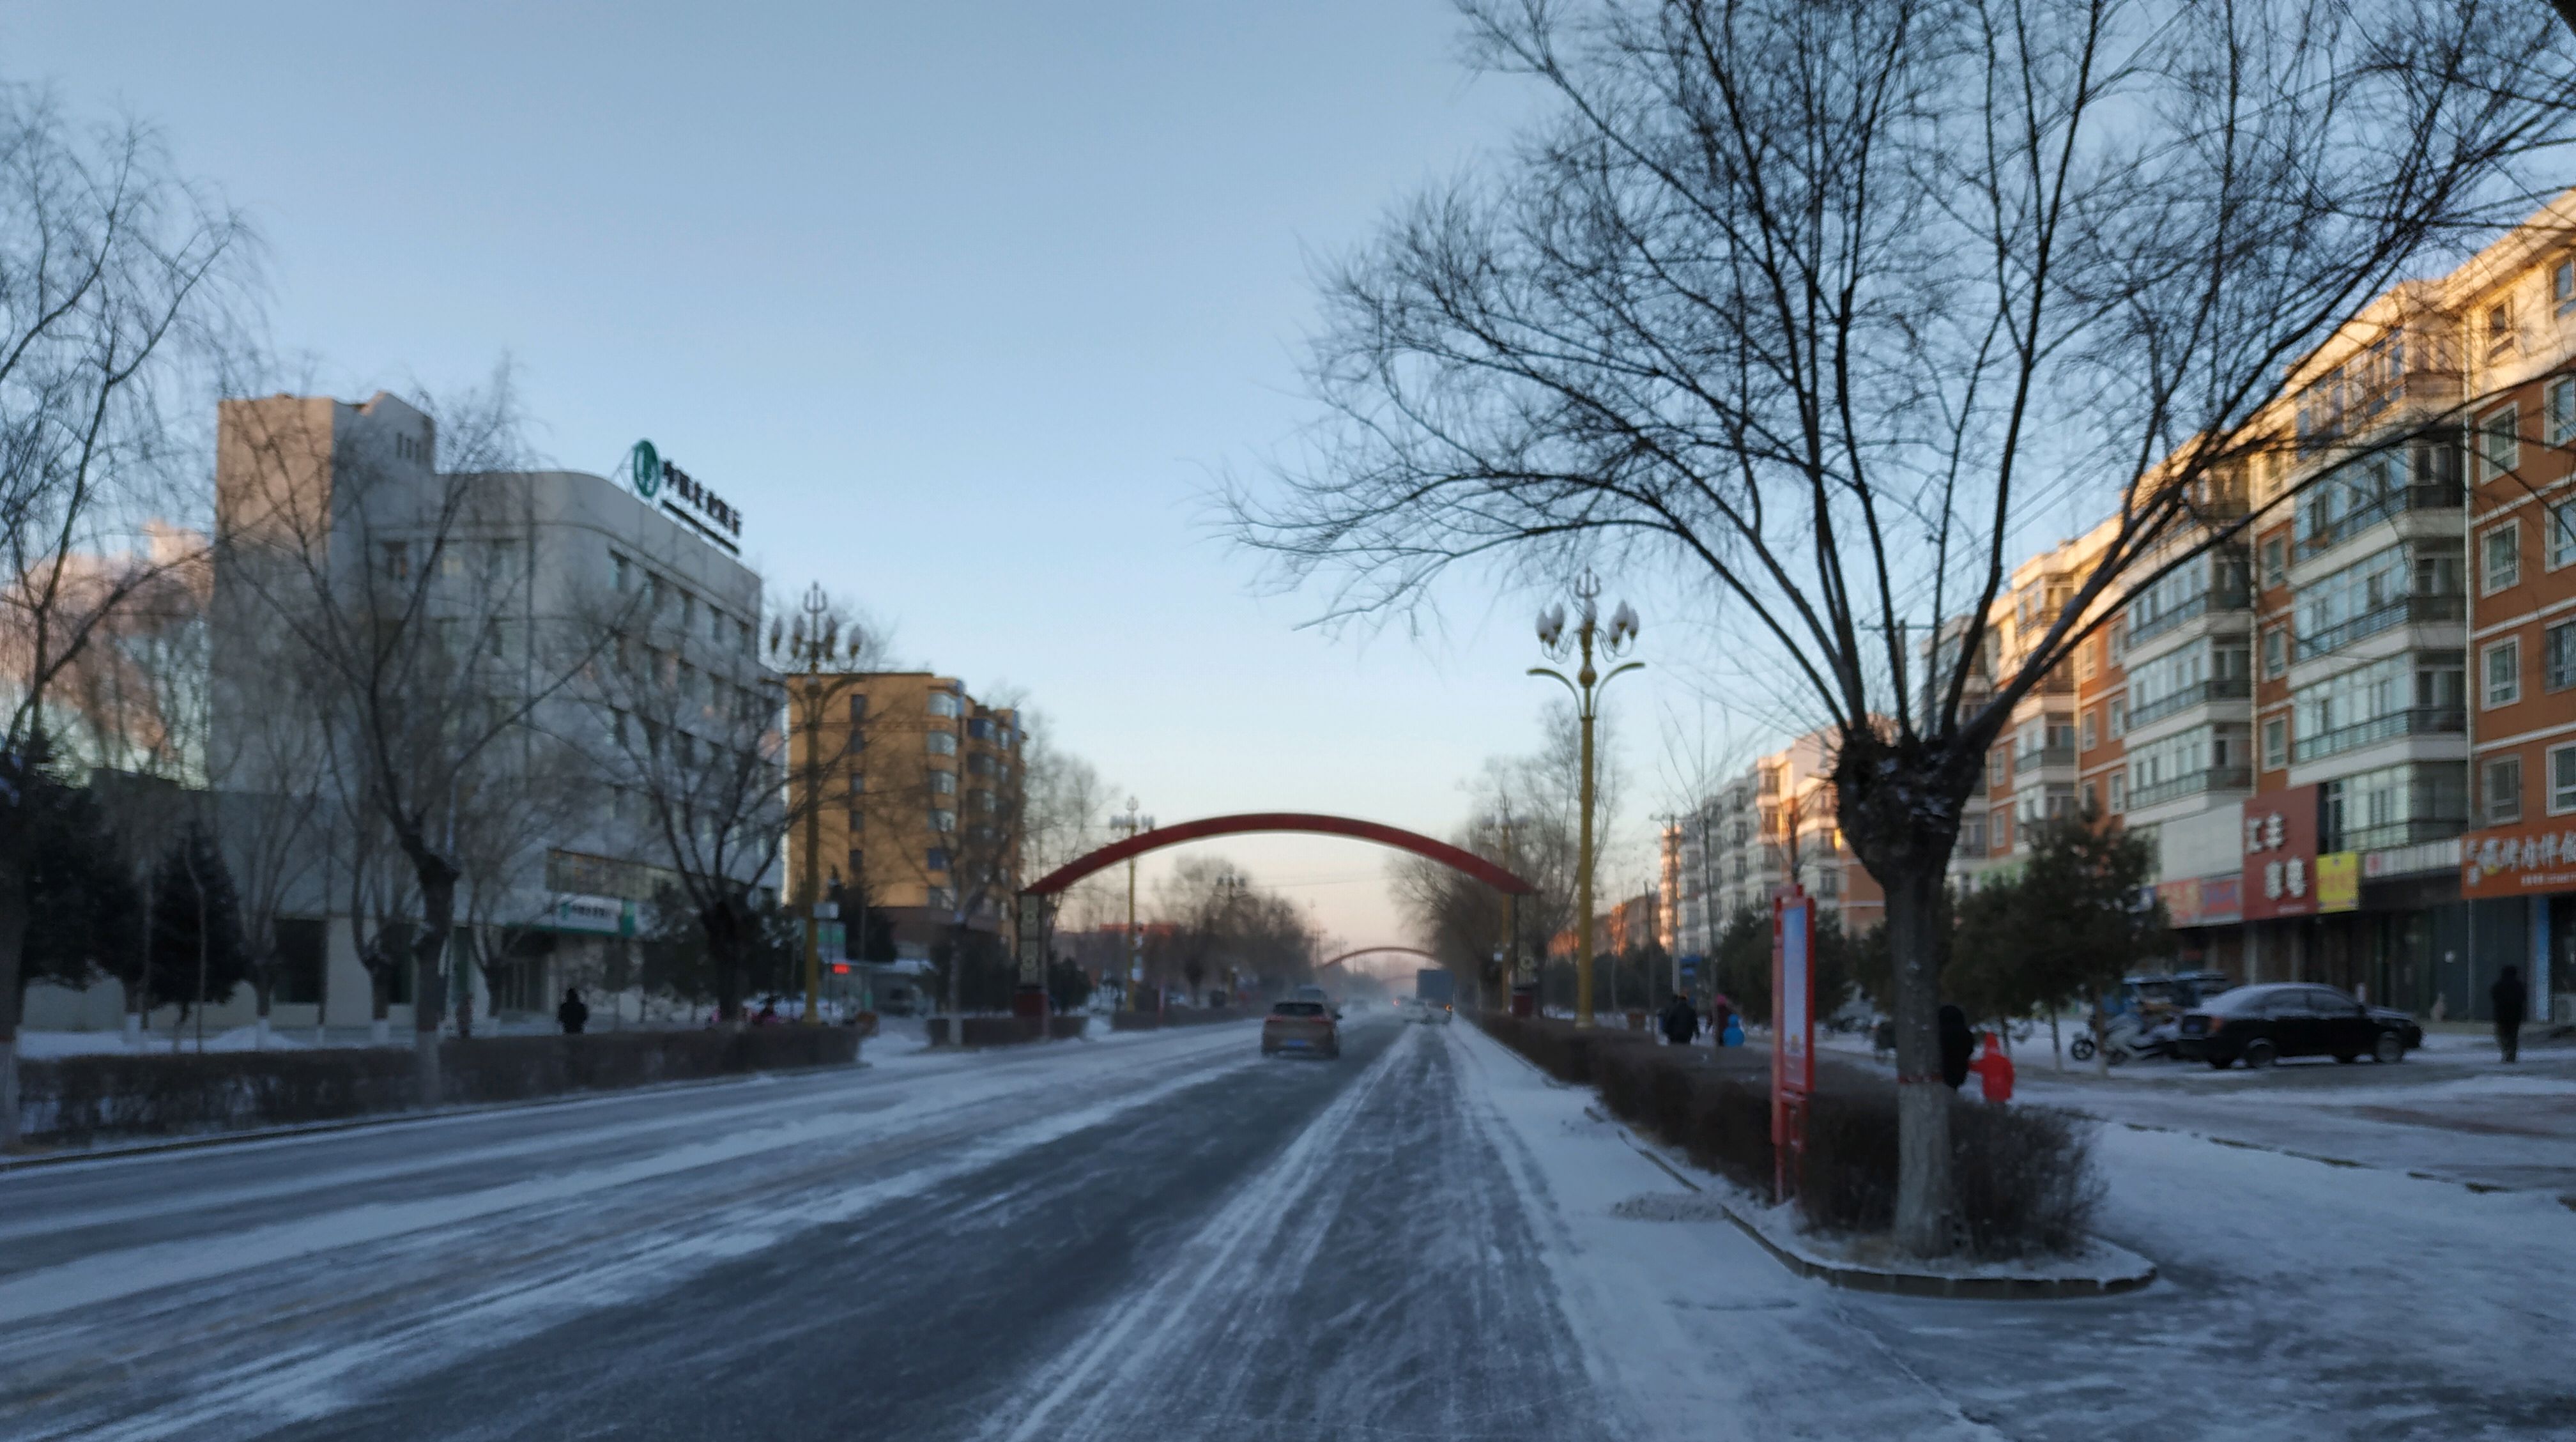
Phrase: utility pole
x=1587 y=685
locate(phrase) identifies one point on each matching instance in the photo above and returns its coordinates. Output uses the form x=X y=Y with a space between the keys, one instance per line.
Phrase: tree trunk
x=438 y=922
x=13 y=945
x=1899 y=806
x=1923 y=1187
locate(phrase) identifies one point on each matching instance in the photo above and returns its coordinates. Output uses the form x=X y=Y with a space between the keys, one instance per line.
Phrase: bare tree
x=695 y=737
x=1822 y=308
x=114 y=276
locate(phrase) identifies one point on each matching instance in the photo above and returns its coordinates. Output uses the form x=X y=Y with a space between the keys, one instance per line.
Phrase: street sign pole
x=1793 y=1030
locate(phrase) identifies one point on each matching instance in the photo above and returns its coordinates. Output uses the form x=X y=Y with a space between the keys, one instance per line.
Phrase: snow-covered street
x=1164 y=1236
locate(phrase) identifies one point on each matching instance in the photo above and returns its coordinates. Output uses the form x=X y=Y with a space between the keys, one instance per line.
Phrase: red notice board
x=1793 y=1025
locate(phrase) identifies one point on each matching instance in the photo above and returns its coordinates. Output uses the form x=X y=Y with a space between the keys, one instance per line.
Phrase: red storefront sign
x=2280 y=875
x=2519 y=860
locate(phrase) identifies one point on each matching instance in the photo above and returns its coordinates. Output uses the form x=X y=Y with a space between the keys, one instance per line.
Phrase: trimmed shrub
x=2024 y=1176
x=74 y=1101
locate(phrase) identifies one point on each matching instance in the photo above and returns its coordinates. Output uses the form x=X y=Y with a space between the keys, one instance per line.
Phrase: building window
x=2562 y=410
x=940 y=743
x=2084 y=660
x=942 y=704
x=2500 y=790
x=2276 y=562
x=1972 y=836
x=943 y=783
x=2276 y=652
x=2558 y=656
x=2120 y=717
x=2562 y=780
x=2119 y=792
x=2499 y=558
x=1829 y=881
x=2092 y=734
x=2562 y=534
x=1995 y=773
x=2562 y=285
x=2499 y=327
x=858 y=711
x=2276 y=743
x=936 y=859
x=2499 y=444
x=942 y=897
x=2501 y=669
x=943 y=822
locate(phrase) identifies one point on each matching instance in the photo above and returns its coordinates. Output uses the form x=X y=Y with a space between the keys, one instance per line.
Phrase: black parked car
x=2261 y=1024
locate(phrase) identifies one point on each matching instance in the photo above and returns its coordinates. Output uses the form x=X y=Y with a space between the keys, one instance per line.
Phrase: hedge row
x=73 y=1101
x=2023 y=1177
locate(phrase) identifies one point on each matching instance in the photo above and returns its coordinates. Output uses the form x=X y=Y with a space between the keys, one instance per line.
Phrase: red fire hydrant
x=1994 y=1070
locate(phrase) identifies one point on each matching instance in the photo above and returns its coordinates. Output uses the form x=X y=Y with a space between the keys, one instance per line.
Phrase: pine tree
x=196 y=949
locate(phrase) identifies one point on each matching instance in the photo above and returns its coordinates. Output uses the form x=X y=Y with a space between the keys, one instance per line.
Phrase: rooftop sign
x=651 y=476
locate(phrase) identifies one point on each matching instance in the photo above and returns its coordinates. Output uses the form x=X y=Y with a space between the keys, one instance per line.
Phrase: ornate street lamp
x=1608 y=642
x=814 y=641
x=1134 y=824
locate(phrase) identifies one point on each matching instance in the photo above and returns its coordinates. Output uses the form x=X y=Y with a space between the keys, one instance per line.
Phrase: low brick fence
x=74 y=1101
x=1010 y=1030
x=1176 y=1016
x=2023 y=1176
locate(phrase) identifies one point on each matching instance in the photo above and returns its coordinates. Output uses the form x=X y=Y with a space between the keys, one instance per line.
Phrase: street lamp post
x=814 y=641
x=1518 y=993
x=1134 y=824
x=1609 y=642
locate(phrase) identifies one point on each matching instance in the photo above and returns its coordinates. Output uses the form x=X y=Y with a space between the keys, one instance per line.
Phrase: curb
x=387 y=1119
x=1891 y=1283
x=1933 y=1284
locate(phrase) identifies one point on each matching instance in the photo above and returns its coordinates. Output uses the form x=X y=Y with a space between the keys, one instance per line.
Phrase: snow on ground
x=2297 y=1300
x=1696 y=1328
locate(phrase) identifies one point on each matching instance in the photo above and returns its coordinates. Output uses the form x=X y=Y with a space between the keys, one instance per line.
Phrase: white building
x=332 y=519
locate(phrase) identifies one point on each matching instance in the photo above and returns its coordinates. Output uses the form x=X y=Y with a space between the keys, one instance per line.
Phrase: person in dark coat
x=1958 y=1045
x=572 y=1014
x=2508 y=996
x=1681 y=1021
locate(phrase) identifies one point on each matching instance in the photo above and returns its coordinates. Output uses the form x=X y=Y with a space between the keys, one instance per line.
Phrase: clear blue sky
x=963 y=304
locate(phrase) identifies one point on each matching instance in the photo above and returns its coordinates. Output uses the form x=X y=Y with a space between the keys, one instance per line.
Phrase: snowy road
x=1167 y=1237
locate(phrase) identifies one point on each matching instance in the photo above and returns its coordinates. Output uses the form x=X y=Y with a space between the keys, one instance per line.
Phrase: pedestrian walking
x=2508 y=996
x=1681 y=1021
x=572 y=1014
x=1994 y=1071
x=1958 y=1044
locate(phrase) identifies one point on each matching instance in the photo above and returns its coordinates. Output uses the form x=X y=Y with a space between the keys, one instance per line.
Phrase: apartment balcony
x=2192 y=783
x=2419 y=721
x=2027 y=762
x=2233 y=598
x=2396 y=833
x=2404 y=611
x=2386 y=507
x=2224 y=688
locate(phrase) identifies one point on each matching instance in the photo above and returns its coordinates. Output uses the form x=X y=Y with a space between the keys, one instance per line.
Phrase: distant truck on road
x=1435 y=987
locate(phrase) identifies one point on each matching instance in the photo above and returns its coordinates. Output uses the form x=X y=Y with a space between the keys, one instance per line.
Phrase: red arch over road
x=1260 y=821
x=1374 y=950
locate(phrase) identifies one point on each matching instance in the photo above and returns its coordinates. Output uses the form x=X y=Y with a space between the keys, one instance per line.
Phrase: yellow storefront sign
x=2339 y=881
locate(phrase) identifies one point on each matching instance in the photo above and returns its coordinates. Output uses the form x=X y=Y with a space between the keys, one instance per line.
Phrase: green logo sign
x=644 y=469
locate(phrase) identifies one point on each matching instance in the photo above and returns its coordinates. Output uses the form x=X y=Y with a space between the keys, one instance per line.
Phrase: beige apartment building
x=914 y=792
x=2351 y=739
x=1771 y=825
